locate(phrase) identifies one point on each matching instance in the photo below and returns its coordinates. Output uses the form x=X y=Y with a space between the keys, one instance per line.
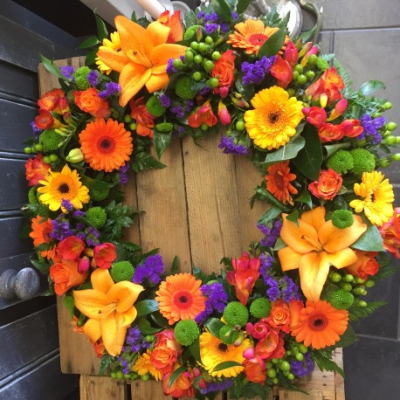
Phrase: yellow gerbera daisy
x=274 y=119
x=64 y=185
x=378 y=197
x=143 y=366
x=113 y=44
x=213 y=352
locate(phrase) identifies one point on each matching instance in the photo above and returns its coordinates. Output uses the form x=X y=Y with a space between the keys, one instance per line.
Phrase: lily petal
x=129 y=316
x=115 y=60
x=314 y=217
x=162 y=53
x=101 y=280
x=314 y=270
x=133 y=77
x=335 y=239
x=92 y=329
x=343 y=258
x=113 y=333
x=158 y=33
x=157 y=82
x=90 y=302
x=289 y=259
x=124 y=293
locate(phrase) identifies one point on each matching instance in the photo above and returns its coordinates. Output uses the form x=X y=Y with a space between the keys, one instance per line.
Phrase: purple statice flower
x=290 y=289
x=255 y=73
x=170 y=67
x=165 y=101
x=151 y=269
x=216 y=301
x=111 y=89
x=78 y=213
x=224 y=27
x=36 y=131
x=210 y=28
x=302 y=368
x=189 y=105
x=235 y=17
x=200 y=15
x=125 y=368
x=213 y=17
x=123 y=173
x=134 y=339
x=266 y=262
x=217 y=386
x=68 y=71
x=81 y=236
x=273 y=235
x=67 y=205
x=371 y=128
x=178 y=111
x=92 y=237
x=179 y=132
x=228 y=146
x=93 y=77
x=204 y=91
x=273 y=292
x=264 y=229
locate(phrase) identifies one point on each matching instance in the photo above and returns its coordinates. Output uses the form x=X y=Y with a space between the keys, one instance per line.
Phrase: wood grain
x=101 y=388
x=147 y=391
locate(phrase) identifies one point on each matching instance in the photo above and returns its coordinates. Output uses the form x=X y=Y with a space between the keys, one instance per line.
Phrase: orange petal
x=289 y=259
x=101 y=280
x=343 y=258
x=314 y=217
x=314 y=269
x=124 y=294
x=90 y=302
x=133 y=77
x=158 y=33
x=334 y=239
x=115 y=60
x=302 y=238
x=157 y=82
x=162 y=53
x=113 y=333
x=129 y=316
x=92 y=329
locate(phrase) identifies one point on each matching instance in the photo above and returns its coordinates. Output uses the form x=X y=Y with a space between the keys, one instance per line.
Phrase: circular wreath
x=280 y=307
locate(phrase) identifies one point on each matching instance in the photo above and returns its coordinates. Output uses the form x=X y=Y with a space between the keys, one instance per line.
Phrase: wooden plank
x=339 y=381
x=147 y=390
x=101 y=388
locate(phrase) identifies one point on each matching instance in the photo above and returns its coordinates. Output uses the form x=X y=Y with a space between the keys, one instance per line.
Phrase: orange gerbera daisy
x=179 y=297
x=106 y=145
x=278 y=182
x=320 y=324
x=40 y=234
x=251 y=35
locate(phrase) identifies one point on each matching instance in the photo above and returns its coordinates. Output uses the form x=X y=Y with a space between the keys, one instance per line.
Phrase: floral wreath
x=329 y=222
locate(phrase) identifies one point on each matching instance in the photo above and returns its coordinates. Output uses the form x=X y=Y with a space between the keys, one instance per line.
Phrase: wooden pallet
x=196 y=208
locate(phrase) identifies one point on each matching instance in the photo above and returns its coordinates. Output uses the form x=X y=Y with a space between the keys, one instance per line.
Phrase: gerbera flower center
x=223 y=347
x=318 y=322
x=106 y=145
x=64 y=188
x=183 y=299
x=273 y=117
x=257 y=39
x=280 y=181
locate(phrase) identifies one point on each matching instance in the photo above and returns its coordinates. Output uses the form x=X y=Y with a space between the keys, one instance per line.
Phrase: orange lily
x=313 y=245
x=109 y=307
x=143 y=57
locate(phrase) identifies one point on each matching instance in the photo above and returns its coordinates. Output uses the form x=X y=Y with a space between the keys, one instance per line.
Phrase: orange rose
x=90 y=102
x=295 y=307
x=280 y=316
x=254 y=371
x=144 y=120
x=327 y=185
x=182 y=386
x=166 y=351
x=224 y=70
x=65 y=275
x=365 y=265
x=50 y=100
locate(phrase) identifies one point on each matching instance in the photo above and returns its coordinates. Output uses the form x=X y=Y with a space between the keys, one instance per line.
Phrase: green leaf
x=309 y=159
x=102 y=31
x=69 y=304
x=305 y=198
x=225 y=365
x=286 y=152
x=279 y=244
x=143 y=161
x=159 y=319
x=106 y=361
x=176 y=375
x=89 y=42
x=370 y=87
x=146 y=328
x=51 y=67
x=331 y=149
x=145 y=307
x=214 y=325
x=175 y=265
x=357 y=313
x=263 y=194
x=161 y=141
x=222 y=9
x=324 y=362
x=347 y=339
x=242 y=6
x=91 y=57
x=194 y=349
x=270 y=215
x=41 y=266
x=371 y=240
x=94 y=183
x=294 y=216
x=273 y=44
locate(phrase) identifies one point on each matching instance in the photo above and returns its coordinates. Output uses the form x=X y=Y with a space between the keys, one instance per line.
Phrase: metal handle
x=23 y=285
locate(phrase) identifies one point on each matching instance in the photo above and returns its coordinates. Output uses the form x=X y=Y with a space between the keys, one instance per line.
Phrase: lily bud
x=75 y=156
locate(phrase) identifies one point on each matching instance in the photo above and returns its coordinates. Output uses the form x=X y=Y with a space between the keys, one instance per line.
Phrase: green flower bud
x=228 y=334
x=363 y=161
x=186 y=332
x=122 y=271
x=260 y=308
x=183 y=88
x=342 y=219
x=190 y=32
x=341 y=162
x=50 y=140
x=236 y=313
x=96 y=216
x=75 y=156
x=154 y=106
x=341 y=299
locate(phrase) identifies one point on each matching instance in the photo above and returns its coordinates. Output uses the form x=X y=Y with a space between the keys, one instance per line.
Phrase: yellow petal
x=115 y=60
x=315 y=217
x=90 y=302
x=129 y=316
x=314 y=269
x=124 y=294
x=289 y=259
x=302 y=238
x=334 y=239
x=92 y=329
x=113 y=333
x=132 y=79
x=161 y=54
x=157 y=82
x=158 y=33
x=343 y=258
x=101 y=280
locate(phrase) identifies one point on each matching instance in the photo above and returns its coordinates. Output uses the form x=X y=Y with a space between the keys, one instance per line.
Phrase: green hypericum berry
x=299 y=357
x=209 y=66
x=209 y=40
x=236 y=313
x=228 y=334
x=388 y=105
x=27 y=150
x=197 y=76
x=347 y=286
x=133 y=126
x=186 y=332
x=46 y=159
x=299 y=68
x=391 y=126
x=81 y=80
x=363 y=161
x=198 y=59
x=38 y=147
x=50 y=140
x=312 y=59
x=177 y=63
x=342 y=219
x=164 y=127
x=202 y=48
x=216 y=55
x=98 y=195
x=127 y=119
x=271 y=373
x=341 y=299
x=53 y=157
x=122 y=271
x=96 y=216
x=302 y=79
x=285 y=366
x=341 y=162
x=260 y=308
x=335 y=277
x=32 y=195
x=194 y=45
x=240 y=125
x=189 y=56
x=183 y=88
x=154 y=106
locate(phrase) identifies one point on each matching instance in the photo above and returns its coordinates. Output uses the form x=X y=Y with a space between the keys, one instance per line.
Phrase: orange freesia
x=313 y=245
x=109 y=307
x=174 y=23
x=142 y=59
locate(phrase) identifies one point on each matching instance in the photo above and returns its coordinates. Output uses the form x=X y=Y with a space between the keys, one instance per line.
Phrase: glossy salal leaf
x=214 y=325
x=145 y=307
x=146 y=328
x=304 y=198
x=95 y=184
x=51 y=67
x=273 y=44
x=294 y=216
x=263 y=194
x=331 y=149
x=225 y=365
x=194 y=349
x=89 y=42
x=287 y=152
x=161 y=141
x=221 y=7
x=242 y=6
x=176 y=375
x=270 y=215
x=309 y=159
x=370 y=87
x=102 y=31
x=371 y=240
